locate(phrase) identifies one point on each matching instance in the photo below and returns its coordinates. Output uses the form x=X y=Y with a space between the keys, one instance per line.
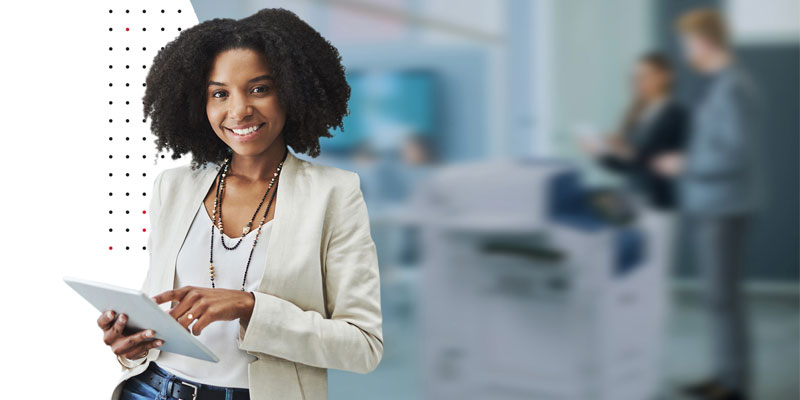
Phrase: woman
x=654 y=125
x=297 y=291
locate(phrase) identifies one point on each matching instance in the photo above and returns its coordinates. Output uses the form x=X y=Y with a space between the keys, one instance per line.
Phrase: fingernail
x=109 y=314
x=122 y=318
x=148 y=333
x=159 y=342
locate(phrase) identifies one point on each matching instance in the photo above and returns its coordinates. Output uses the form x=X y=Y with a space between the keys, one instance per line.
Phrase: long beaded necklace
x=220 y=194
x=218 y=222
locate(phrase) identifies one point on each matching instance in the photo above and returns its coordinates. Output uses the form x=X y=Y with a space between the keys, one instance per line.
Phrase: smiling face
x=242 y=103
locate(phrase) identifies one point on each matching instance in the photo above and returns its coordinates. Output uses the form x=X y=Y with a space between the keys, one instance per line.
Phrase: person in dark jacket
x=655 y=124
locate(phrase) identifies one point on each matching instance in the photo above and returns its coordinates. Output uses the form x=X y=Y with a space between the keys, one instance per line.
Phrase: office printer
x=534 y=286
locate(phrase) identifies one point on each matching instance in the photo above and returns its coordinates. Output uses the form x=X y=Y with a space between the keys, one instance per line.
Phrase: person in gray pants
x=718 y=194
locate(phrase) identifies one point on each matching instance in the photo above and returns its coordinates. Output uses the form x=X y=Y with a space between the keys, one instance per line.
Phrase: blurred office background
x=468 y=92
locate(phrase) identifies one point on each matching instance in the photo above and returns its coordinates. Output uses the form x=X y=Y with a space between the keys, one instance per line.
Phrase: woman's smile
x=245 y=134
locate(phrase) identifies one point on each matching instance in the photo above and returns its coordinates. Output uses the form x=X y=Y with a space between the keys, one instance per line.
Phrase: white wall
x=587 y=53
x=764 y=21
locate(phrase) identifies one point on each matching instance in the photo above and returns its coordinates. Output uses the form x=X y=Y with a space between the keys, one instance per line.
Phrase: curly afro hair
x=309 y=79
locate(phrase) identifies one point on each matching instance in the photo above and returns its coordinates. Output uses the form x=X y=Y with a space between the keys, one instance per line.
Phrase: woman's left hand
x=206 y=305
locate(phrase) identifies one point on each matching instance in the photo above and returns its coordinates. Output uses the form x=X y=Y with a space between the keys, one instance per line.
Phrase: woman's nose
x=239 y=108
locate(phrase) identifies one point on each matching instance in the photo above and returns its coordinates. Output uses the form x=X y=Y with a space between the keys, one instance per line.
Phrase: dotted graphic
x=134 y=36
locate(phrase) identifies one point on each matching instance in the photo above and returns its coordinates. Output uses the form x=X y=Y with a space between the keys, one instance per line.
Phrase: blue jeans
x=137 y=389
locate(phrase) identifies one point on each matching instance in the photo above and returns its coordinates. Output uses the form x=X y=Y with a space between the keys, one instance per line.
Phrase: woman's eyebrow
x=258 y=78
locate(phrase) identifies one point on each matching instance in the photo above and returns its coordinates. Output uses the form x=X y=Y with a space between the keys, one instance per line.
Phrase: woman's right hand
x=131 y=346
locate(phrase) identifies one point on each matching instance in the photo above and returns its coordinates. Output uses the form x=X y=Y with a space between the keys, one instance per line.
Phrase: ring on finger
x=189 y=316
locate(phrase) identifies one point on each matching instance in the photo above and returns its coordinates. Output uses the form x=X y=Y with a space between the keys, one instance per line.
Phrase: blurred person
x=718 y=194
x=655 y=124
x=416 y=150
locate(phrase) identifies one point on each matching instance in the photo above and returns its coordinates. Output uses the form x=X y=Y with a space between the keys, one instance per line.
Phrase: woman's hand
x=131 y=346
x=669 y=164
x=206 y=305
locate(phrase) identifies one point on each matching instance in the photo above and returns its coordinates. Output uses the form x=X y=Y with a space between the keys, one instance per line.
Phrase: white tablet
x=143 y=313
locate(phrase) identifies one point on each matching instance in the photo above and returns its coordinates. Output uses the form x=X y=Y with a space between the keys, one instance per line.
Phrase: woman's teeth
x=249 y=130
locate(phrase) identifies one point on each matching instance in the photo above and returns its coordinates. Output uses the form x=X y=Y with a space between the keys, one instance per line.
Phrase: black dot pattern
x=135 y=35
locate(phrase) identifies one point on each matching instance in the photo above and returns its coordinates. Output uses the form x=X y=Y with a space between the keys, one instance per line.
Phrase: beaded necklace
x=218 y=221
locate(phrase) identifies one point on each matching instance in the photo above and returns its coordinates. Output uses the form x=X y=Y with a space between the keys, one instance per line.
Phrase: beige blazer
x=318 y=303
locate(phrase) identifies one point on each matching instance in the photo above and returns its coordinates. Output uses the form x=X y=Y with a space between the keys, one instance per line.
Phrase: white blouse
x=229 y=265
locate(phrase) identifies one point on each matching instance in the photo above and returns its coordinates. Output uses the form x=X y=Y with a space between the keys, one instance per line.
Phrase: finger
x=125 y=344
x=174 y=294
x=166 y=296
x=115 y=331
x=139 y=350
x=186 y=303
x=195 y=312
x=201 y=316
x=201 y=323
x=105 y=319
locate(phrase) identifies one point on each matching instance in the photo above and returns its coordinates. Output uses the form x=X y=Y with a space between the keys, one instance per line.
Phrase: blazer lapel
x=281 y=222
x=176 y=223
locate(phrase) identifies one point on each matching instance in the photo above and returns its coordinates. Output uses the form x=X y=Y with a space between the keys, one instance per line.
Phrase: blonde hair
x=707 y=23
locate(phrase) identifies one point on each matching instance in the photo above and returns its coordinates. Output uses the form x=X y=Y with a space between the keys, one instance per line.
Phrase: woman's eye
x=218 y=94
x=260 y=89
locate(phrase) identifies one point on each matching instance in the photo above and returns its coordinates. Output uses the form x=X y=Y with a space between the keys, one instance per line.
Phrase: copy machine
x=528 y=291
